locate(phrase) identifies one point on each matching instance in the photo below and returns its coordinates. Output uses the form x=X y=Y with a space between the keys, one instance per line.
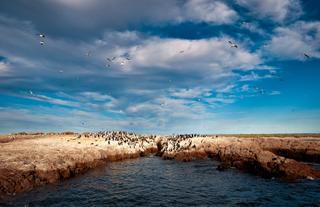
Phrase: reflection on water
x=151 y=181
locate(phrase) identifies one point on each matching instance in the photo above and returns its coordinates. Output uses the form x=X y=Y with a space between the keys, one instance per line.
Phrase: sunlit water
x=151 y=181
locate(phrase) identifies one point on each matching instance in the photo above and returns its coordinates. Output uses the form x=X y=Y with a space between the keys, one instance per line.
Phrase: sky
x=154 y=66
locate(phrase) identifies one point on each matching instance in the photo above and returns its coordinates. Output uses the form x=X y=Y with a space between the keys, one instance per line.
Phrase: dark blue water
x=151 y=181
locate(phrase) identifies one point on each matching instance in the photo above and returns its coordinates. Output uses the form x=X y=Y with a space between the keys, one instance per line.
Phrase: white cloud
x=274 y=93
x=245 y=88
x=4 y=68
x=209 y=11
x=190 y=93
x=78 y=4
x=167 y=108
x=45 y=119
x=96 y=96
x=51 y=100
x=142 y=93
x=277 y=10
x=212 y=54
x=226 y=89
x=252 y=27
x=98 y=99
x=293 y=41
x=254 y=76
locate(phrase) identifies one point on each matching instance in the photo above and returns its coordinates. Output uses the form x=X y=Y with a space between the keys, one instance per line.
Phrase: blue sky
x=174 y=71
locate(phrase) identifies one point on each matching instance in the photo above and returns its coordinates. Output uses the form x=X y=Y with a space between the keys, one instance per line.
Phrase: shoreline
x=30 y=160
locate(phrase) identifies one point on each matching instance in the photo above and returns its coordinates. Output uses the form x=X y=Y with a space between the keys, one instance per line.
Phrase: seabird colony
x=121 y=138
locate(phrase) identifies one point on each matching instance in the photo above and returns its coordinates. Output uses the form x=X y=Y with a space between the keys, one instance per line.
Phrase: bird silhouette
x=306 y=55
x=232 y=44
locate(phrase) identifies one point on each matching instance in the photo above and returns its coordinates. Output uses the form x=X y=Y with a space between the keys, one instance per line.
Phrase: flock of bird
x=124 y=60
x=120 y=138
x=175 y=143
x=181 y=142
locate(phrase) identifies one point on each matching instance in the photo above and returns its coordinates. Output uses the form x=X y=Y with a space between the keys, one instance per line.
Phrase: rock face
x=27 y=161
x=244 y=154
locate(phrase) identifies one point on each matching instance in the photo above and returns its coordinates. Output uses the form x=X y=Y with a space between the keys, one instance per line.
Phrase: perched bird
x=232 y=44
x=42 y=35
x=41 y=42
x=31 y=93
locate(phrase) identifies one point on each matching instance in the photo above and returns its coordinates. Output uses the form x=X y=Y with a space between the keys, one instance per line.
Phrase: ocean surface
x=151 y=181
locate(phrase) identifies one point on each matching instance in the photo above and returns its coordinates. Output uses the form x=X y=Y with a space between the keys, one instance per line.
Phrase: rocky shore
x=255 y=155
x=30 y=160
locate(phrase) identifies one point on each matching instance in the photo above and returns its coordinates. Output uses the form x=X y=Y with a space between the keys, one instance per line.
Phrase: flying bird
x=184 y=50
x=111 y=59
x=306 y=55
x=232 y=44
x=126 y=55
x=42 y=36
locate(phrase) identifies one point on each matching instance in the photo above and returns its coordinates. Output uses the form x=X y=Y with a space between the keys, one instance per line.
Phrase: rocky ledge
x=247 y=154
x=29 y=160
x=32 y=160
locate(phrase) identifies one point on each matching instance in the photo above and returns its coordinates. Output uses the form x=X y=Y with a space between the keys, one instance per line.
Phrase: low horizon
x=162 y=134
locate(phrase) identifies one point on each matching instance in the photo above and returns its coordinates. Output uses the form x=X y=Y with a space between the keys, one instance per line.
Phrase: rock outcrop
x=244 y=154
x=27 y=161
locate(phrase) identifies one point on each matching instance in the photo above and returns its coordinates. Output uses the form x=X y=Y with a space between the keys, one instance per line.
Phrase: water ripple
x=151 y=181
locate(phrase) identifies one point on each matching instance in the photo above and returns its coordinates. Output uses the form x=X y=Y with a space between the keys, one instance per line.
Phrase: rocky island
x=29 y=160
